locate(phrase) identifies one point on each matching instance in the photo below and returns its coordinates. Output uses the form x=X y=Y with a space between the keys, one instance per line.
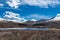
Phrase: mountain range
x=54 y=22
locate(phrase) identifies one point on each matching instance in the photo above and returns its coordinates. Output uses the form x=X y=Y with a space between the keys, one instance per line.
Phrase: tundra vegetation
x=30 y=35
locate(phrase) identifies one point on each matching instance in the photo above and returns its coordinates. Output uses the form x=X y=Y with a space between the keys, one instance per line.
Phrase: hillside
x=30 y=24
x=11 y=24
x=48 y=24
x=53 y=22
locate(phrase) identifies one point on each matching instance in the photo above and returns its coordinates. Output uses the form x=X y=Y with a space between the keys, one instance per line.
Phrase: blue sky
x=24 y=10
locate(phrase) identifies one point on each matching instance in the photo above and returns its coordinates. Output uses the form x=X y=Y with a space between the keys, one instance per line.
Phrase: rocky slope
x=30 y=24
x=54 y=22
x=48 y=24
x=11 y=24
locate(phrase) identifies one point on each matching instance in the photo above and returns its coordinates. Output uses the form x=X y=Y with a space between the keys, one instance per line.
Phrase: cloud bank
x=10 y=16
x=1 y=5
x=13 y=3
x=40 y=3
x=37 y=16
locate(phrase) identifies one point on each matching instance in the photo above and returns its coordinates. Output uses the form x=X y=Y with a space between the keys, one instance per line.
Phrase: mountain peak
x=57 y=17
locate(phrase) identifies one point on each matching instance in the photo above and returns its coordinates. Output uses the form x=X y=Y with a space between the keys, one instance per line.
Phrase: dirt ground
x=30 y=35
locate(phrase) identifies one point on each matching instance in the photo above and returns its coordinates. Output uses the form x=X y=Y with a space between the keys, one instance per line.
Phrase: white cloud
x=1 y=4
x=13 y=3
x=37 y=16
x=1 y=18
x=42 y=3
x=10 y=16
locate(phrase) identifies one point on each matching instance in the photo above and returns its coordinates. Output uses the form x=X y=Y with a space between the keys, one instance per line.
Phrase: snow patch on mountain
x=56 y=18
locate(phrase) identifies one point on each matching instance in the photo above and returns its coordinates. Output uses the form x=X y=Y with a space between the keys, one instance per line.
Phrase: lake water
x=24 y=28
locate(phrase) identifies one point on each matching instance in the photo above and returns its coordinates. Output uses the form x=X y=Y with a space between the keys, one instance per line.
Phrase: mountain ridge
x=44 y=23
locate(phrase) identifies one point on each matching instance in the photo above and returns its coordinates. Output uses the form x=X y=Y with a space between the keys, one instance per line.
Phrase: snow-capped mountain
x=54 y=22
x=56 y=18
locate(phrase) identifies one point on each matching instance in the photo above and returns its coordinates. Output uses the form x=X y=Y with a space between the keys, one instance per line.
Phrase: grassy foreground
x=30 y=35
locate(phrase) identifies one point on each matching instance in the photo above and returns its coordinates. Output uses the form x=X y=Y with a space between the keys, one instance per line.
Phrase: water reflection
x=24 y=28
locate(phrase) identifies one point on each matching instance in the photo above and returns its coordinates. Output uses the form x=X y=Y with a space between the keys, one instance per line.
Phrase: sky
x=23 y=10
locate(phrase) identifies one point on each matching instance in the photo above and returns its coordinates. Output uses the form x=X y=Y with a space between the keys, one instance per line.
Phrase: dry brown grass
x=30 y=35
